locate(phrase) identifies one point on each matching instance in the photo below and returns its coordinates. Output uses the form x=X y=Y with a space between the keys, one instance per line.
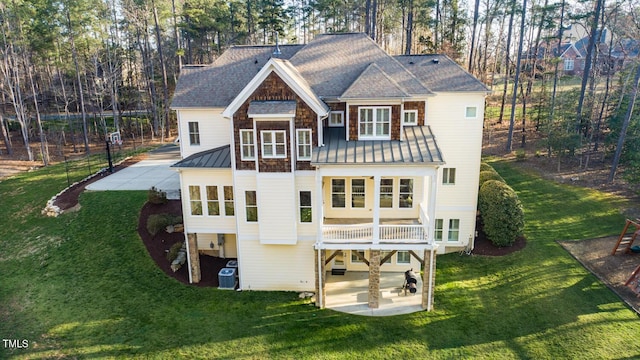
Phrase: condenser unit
x=227 y=279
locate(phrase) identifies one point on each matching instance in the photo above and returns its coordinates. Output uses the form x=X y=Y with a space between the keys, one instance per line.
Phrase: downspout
x=320 y=290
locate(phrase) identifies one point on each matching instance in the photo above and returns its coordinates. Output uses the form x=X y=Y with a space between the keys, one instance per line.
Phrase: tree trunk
x=516 y=80
x=409 y=28
x=165 y=85
x=74 y=54
x=557 y=64
x=625 y=125
x=5 y=136
x=473 y=34
x=507 y=61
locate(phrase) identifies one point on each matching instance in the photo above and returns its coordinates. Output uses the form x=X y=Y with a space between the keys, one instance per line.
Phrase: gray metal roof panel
x=418 y=147
x=219 y=157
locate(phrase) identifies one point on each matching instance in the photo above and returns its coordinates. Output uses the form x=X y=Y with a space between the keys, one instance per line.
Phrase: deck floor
x=349 y=293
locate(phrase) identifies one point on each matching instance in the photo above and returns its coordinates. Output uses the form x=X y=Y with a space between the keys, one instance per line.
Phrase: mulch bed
x=159 y=245
x=483 y=246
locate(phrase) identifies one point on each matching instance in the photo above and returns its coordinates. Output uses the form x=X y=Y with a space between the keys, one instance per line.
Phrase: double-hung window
x=454 y=230
x=338 y=193
x=213 y=204
x=406 y=193
x=194 y=133
x=403 y=257
x=195 y=200
x=305 y=206
x=251 y=203
x=374 y=123
x=336 y=118
x=229 y=208
x=247 y=148
x=410 y=117
x=274 y=144
x=568 y=64
x=386 y=193
x=357 y=193
x=303 y=138
x=439 y=228
x=354 y=256
x=449 y=176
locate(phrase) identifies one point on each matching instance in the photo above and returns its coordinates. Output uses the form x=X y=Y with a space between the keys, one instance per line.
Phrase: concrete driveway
x=153 y=171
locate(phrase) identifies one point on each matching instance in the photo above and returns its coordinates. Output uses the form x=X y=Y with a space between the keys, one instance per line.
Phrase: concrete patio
x=349 y=293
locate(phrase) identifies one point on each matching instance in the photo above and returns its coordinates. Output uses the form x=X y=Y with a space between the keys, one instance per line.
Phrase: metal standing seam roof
x=272 y=108
x=218 y=158
x=418 y=147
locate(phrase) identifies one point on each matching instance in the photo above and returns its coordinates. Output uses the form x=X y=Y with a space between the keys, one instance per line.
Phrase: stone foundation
x=374 y=279
x=194 y=258
x=427 y=293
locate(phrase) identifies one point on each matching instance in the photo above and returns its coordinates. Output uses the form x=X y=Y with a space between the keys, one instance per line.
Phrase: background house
x=330 y=156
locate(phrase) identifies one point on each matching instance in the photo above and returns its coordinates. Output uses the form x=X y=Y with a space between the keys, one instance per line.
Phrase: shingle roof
x=373 y=83
x=218 y=84
x=332 y=62
x=440 y=73
x=272 y=107
x=418 y=147
x=219 y=157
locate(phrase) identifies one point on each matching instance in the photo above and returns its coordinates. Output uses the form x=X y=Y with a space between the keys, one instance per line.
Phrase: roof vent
x=277 y=50
x=255 y=61
x=411 y=62
x=435 y=61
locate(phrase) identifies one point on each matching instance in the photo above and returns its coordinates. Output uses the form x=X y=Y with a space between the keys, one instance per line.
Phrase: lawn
x=82 y=286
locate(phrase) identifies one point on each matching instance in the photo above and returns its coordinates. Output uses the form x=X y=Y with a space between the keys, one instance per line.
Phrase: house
x=299 y=160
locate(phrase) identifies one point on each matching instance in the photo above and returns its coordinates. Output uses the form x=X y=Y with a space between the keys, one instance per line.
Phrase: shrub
x=486 y=167
x=521 y=155
x=501 y=213
x=173 y=251
x=158 y=222
x=489 y=175
x=156 y=196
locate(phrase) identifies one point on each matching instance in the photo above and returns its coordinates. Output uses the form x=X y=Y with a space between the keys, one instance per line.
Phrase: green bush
x=173 y=251
x=489 y=175
x=487 y=167
x=156 y=196
x=158 y=222
x=501 y=213
x=521 y=155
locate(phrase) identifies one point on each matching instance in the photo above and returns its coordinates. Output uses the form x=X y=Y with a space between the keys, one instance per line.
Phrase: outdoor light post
x=109 y=156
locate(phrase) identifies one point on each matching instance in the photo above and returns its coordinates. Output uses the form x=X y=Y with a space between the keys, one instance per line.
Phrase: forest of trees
x=104 y=65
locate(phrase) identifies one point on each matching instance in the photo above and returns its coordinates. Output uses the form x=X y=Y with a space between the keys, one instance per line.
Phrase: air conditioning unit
x=227 y=279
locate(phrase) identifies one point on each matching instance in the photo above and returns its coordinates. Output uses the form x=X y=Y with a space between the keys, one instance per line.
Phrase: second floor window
x=449 y=176
x=274 y=144
x=195 y=200
x=229 y=209
x=338 y=193
x=357 y=193
x=247 y=149
x=303 y=137
x=386 y=193
x=305 y=206
x=454 y=230
x=439 y=225
x=410 y=117
x=406 y=193
x=568 y=64
x=213 y=205
x=374 y=122
x=251 y=201
x=336 y=118
x=194 y=133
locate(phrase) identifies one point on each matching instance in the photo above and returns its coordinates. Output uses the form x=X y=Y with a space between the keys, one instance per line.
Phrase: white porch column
x=376 y=209
x=431 y=211
x=319 y=206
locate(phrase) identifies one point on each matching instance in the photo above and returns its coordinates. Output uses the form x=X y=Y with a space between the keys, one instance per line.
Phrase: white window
x=374 y=123
x=568 y=64
x=195 y=200
x=438 y=229
x=213 y=204
x=410 y=117
x=403 y=257
x=354 y=256
x=357 y=193
x=449 y=176
x=251 y=202
x=305 y=206
x=337 y=193
x=274 y=144
x=247 y=148
x=194 y=133
x=406 y=193
x=386 y=193
x=336 y=118
x=229 y=207
x=471 y=112
x=384 y=254
x=454 y=229
x=303 y=138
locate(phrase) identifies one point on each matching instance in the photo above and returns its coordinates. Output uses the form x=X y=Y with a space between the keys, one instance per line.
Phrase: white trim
x=271 y=117
x=300 y=207
x=338 y=112
x=242 y=145
x=277 y=66
x=273 y=144
x=374 y=122
x=298 y=156
x=404 y=112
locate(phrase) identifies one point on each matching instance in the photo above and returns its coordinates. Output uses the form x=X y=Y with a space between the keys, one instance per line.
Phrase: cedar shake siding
x=273 y=88
x=395 y=121
x=416 y=105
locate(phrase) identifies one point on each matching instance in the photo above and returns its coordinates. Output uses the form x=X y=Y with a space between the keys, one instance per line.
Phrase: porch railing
x=363 y=233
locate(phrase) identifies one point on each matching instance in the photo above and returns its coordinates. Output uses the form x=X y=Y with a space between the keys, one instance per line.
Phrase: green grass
x=82 y=286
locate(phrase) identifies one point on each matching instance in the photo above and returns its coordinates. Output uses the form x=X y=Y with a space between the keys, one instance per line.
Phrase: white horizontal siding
x=204 y=223
x=306 y=181
x=214 y=130
x=245 y=181
x=389 y=266
x=276 y=267
x=277 y=208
